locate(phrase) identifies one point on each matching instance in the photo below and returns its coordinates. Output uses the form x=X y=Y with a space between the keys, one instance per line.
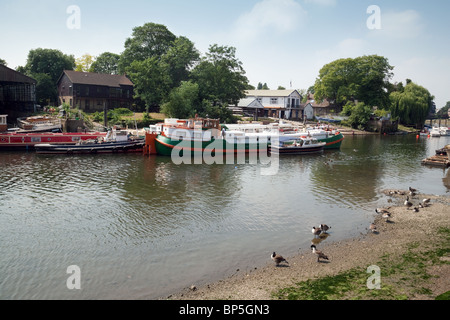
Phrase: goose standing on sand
x=412 y=190
x=319 y=254
x=278 y=259
x=373 y=228
x=408 y=204
x=426 y=202
x=316 y=231
x=382 y=210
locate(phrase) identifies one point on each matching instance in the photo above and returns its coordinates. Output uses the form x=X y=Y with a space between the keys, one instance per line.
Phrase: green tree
x=148 y=41
x=46 y=90
x=411 y=106
x=151 y=82
x=262 y=86
x=3 y=63
x=364 y=79
x=358 y=114
x=49 y=61
x=443 y=112
x=107 y=63
x=179 y=59
x=220 y=76
x=183 y=101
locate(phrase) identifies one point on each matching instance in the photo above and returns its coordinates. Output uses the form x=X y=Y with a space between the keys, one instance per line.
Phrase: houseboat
x=198 y=136
x=12 y=140
x=114 y=142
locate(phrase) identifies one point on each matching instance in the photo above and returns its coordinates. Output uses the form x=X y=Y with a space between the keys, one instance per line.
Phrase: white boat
x=435 y=132
x=444 y=131
x=298 y=146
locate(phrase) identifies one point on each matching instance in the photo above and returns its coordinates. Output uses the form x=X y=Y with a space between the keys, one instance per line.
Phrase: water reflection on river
x=145 y=227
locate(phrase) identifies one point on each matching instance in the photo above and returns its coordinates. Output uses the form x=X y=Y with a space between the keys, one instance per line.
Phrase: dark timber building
x=93 y=92
x=17 y=93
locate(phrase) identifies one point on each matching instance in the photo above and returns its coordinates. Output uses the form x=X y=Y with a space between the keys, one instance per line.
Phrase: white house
x=308 y=111
x=283 y=104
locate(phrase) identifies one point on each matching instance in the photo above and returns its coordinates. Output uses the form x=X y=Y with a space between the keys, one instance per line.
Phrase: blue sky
x=278 y=41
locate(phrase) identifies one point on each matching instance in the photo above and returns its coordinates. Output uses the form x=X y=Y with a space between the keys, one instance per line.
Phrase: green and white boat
x=198 y=136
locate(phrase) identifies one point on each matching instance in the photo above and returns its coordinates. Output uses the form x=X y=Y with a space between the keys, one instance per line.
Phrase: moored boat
x=199 y=136
x=435 y=132
x=17 y=140
x=298 y=146
x=114 y=142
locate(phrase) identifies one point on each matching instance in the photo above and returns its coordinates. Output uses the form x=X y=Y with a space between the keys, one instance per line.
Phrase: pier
x=441 y=159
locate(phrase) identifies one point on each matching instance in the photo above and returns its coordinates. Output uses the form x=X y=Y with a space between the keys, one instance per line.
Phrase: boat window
x=35 y=139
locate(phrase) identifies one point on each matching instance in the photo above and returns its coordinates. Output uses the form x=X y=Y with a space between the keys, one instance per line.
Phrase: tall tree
x=183 y=101
x=49 y=61
x=364 y=79
x=220 y=76
x=179 y=59
x=148 y=41
x=151 y=83
x=411 y=106
x=107 y=63
x=3 y=63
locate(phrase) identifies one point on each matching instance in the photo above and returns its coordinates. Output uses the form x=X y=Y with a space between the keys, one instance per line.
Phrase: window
x=273 y=100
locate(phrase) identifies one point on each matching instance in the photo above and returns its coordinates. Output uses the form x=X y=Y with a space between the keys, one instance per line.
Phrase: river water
x=142 y=227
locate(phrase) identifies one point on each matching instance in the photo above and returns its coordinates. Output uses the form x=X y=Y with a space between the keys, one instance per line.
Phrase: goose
x=382 y=210
x=324 y=228
x=412 y=190
x=316 y=231
x=408 y=203
x=386 y=216
x=320 y=254
x=426 y=202
x=416 y=209
x=373 y=228
x=278 y=259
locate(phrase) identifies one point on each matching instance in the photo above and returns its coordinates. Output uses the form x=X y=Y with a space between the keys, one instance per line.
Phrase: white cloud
x=400 y=25
x=326 y=3
x=347 y=48
x=282 y=16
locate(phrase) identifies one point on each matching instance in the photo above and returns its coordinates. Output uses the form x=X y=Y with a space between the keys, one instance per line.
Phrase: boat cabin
x=3 y=123
x=197 y=129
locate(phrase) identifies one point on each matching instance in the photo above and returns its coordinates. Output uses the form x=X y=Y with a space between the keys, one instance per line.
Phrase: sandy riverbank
x=392 y=238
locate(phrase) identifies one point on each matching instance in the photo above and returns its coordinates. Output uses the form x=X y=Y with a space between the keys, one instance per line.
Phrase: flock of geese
x=410 y=194
x=278 y=259
x=386 y=215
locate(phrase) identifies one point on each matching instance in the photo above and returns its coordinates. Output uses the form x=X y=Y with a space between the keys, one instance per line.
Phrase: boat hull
x=92 y=148
x=166 y=147
x=296 y=150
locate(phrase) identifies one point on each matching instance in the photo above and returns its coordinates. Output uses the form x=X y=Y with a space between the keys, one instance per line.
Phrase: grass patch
x=402 y=277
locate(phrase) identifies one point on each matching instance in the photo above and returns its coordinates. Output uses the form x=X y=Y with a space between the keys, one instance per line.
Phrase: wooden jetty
x=441 y=159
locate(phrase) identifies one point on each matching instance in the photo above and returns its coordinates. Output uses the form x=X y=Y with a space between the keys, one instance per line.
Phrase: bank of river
x=407 y=234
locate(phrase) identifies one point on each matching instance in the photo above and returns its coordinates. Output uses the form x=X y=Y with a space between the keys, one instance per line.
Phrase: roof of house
x=246 y=102
x=271 y=93
x=97 y=79
x=10 y=75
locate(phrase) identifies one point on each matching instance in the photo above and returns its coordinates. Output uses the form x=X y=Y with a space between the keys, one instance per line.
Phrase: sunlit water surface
x=143 y=227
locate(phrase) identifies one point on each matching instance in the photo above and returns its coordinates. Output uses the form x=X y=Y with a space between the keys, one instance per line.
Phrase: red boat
x=17 y=140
